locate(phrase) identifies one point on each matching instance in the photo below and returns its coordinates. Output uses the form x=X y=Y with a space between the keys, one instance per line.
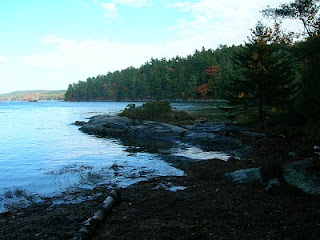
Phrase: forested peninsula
x=202 y=75
x=273 y=75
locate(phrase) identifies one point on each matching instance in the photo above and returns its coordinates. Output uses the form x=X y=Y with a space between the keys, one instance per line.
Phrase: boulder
x=250 y=175
x=79 y=123
x=302 y=174
x=116 y=126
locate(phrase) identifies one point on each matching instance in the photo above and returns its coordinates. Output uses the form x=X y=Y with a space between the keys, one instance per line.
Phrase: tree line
x=33 y=95
x=202 y=75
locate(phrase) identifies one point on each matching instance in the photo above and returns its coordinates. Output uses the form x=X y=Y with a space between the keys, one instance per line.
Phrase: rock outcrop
x=302 y=174
x=206 y=135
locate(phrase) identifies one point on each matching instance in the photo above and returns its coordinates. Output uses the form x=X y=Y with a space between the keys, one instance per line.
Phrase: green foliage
x=177 y=78
x=265 y=81
x=307 y=101
x=156 y=111
x=307 y=98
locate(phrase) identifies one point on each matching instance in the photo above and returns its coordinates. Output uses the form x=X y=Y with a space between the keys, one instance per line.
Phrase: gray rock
x=202 y=135
x=250 y=175
x=242 y=152
x=116 y=126
x=301 y=175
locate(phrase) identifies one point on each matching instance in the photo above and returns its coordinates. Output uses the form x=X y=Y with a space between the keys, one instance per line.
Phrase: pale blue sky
x=47 y=44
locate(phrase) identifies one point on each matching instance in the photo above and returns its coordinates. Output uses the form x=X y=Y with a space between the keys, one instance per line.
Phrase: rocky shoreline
x=209 y=136
x=250 y=196
x=206 y=135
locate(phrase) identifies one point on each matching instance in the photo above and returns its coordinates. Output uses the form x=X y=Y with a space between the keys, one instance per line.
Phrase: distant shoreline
x=33 y=95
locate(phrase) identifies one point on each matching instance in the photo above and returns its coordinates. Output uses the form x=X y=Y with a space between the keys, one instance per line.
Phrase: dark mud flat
x=210 y=206
x=51 y=221
x=213 y=208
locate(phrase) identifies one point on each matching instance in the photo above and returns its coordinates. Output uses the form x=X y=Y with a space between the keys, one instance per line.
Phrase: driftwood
x=91 y=224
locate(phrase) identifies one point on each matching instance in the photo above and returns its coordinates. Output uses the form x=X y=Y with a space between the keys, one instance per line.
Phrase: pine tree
x=266 y=76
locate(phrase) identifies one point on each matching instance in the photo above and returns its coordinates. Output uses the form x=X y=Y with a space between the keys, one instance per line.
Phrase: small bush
x=156 y=111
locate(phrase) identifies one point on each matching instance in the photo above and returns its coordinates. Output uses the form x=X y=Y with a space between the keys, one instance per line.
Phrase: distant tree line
x=33 y=95
x=202 y=75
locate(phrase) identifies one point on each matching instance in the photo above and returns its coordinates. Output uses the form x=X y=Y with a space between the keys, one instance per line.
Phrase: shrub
x=157 y=111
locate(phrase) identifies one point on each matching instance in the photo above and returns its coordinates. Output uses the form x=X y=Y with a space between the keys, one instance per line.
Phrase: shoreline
x=208 y=206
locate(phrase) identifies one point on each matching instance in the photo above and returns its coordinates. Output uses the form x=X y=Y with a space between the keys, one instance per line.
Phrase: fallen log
x=91 y=224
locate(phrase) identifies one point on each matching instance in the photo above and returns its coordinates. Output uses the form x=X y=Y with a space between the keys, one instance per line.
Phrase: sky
x=46 y=44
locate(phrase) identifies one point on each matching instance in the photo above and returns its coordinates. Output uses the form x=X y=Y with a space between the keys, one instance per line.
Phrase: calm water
x=43 y=154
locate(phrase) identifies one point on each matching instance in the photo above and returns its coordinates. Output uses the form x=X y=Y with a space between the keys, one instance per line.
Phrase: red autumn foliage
x=203 y=89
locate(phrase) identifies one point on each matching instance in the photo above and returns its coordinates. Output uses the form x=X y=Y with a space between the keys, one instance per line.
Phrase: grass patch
x=157 y=111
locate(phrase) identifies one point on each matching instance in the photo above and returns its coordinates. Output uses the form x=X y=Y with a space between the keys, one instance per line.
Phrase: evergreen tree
x=307 y=11
x=308 y=101
x=70 y=93
x=266 y=75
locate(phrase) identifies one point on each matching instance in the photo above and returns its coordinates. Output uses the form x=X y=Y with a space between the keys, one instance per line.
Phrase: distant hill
x=33 y=95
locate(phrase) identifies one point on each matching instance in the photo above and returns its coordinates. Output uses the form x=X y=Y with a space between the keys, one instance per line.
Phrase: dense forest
x=202 y=75
x=275 y=72
x=33 y=95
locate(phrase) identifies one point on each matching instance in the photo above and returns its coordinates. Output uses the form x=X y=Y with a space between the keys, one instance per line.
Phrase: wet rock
x=212 y=142
x=301 y=174
x=144 y=134
x=79 y=123
x=242 y=152
x=250 y=175
x=115 y=126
